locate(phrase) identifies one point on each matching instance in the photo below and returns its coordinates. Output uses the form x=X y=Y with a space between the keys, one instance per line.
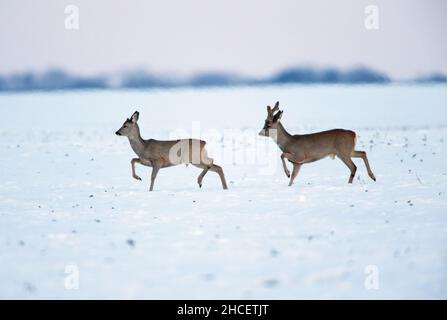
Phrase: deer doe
x=163 y=154
x=306 y=148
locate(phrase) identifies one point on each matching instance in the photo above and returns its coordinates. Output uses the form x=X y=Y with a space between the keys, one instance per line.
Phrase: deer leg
x=202 y=174
x=219 y=171
x=350 y=164
x=296 y=169
x=362 y=154
x=132 y=163
x=284 y=165
x=205 y=164
x=208 y=164
x=155 y=170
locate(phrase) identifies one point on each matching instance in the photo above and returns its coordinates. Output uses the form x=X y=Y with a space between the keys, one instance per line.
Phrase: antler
x=277 y=116
x=276 y=107
x=271 y=111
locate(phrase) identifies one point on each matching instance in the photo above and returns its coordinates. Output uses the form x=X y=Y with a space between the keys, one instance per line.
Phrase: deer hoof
x=137 y=178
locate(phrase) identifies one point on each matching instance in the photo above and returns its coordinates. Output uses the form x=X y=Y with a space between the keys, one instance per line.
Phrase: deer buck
x=164 y=154
x=306 y=148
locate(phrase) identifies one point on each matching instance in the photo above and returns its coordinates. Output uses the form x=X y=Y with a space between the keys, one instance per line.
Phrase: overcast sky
x=251 y=37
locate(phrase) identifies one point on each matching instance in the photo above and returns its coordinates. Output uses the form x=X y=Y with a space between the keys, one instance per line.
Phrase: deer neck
x=136 y=142
x=283 y=137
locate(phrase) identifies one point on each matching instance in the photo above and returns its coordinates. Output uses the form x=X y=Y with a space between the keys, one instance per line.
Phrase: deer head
x=130 y=126
x=271 y=123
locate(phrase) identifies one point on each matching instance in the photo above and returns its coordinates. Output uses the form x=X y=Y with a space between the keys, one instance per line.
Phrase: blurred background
x=76 y=44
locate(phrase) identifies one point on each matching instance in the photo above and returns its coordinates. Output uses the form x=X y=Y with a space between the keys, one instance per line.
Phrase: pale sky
x=251 y=37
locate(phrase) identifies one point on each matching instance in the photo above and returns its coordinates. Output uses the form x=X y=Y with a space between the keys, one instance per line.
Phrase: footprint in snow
x=271 y=283
x=29 y=287
x=130 y=242
x=208 y=276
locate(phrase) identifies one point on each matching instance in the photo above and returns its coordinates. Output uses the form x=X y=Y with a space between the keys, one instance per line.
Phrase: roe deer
x=164 y=154
x=306 y=148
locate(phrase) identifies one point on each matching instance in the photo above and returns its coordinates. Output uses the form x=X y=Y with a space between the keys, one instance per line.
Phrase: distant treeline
x=60 y=80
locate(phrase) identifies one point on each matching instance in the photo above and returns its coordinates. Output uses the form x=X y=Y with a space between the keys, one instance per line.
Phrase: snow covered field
x=74 y=224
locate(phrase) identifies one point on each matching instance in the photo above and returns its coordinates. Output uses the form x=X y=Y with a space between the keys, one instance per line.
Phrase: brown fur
x=307 y=148
x=164 y=154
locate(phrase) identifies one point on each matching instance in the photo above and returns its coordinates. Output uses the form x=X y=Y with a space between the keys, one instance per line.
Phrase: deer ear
x=277 y=116
x=280 y=114
x=135 y=116
x=269 y=109
x=277 y=104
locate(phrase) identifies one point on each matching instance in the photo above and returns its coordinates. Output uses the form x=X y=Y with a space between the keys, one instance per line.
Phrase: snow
x=69 y=206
